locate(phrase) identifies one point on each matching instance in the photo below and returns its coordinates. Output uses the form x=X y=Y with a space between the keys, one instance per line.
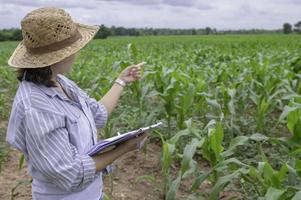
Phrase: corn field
x=231 y=101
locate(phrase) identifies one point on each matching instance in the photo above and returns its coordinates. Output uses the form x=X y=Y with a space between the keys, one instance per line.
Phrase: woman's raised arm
x=128 y=75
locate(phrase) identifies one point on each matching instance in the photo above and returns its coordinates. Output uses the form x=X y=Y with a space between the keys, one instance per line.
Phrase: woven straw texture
x=46 y=27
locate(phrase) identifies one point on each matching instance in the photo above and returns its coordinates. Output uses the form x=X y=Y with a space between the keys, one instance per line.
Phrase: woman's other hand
x=135 y=142
x=131 y=73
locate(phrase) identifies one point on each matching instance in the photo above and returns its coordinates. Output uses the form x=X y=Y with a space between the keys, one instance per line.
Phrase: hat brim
x=22 y=59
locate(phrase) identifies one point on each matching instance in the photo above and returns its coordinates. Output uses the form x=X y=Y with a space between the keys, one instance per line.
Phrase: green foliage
x=230 y=101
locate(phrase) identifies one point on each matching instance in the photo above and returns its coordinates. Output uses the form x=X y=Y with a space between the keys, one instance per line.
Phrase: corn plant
x=219 y=159
x=184 y=104
x=167 y=87
x=212 y=151
x=284 y=183
x=170 y=154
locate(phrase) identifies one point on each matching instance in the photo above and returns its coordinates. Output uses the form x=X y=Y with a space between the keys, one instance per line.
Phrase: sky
x=219 y=14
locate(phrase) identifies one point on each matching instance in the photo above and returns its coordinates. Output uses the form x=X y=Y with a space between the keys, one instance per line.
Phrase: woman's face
x=64 y=65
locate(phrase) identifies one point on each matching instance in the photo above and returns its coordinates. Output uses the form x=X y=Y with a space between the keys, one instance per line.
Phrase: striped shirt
x=54 y=133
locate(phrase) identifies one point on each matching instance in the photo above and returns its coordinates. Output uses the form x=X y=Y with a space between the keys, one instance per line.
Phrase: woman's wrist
x=120 y=82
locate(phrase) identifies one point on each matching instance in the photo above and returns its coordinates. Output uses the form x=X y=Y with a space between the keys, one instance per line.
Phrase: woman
x=53 y=122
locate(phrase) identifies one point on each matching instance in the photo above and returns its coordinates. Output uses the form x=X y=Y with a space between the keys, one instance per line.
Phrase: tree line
x=104 y=31
x=288 y=28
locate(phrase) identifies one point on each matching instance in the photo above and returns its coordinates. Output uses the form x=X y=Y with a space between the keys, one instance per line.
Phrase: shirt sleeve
x=100 y=115
x=99 y=111
x=53 y=155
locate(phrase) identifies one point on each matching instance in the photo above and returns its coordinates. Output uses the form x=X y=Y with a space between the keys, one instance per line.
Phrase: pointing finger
x=141 y=64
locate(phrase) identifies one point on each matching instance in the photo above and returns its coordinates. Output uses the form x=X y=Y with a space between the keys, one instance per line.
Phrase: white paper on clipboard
x=110 y=143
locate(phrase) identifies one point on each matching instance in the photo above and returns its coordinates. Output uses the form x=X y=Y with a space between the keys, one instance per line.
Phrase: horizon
x=200 y=28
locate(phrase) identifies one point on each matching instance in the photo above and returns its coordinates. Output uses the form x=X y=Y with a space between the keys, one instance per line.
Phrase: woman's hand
x=131 y=73
x=134 y=143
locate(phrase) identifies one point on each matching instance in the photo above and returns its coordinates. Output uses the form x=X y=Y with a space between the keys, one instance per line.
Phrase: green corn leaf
x=106 y=197
x=178 y=135
x=292 y=120
x=297 y=196
x=296 y=152
x=282 y=173
x=274 y=193
x=188 y=97
x=132 y=50
x=171 y=194
x=231 y=103
x=225 y=163
x=297 y=131
x=189 y=151
x=207 y=152
x=213 y=103
x=223 y=181
x=253 y=172
x=168 y=150
x=293 y=175
x=199 y=180
x=216 y=139
x=298 y=167
x=270 y=176
x=286 y=111
x=239 y=140
x=193 y=168
x=21 y=161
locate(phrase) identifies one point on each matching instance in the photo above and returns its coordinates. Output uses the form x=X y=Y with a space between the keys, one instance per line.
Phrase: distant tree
x=103 y=32
x=155 y=32
x=298 y=27
x=5 y=34
x=133 y=32
x=17 y=35
x=287 y=28
x=113 y=29
x=193 y=32
x=121 y=31
x=2 y=36
x=207 y=30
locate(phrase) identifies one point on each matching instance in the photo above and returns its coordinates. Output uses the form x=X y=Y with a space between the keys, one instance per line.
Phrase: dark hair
x=40 y=76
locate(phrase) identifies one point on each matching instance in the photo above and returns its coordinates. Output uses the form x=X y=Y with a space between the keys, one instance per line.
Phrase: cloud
x=136 y=2
x=251 y=11
x=178 y=3
x=289 y=1
x=87 y=4
x=187 y=3
x=220 y=14
x=5 y=12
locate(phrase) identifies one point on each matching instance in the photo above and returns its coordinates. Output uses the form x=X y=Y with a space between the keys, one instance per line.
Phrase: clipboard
x=110 y=143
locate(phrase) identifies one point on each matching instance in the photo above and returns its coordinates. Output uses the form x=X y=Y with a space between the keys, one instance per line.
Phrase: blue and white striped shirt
x=54 y=132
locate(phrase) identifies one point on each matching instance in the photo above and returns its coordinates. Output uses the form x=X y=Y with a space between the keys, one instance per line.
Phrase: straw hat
x=49 y=36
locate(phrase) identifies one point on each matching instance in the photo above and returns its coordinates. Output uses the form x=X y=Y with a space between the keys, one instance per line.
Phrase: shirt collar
x=52 y=91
